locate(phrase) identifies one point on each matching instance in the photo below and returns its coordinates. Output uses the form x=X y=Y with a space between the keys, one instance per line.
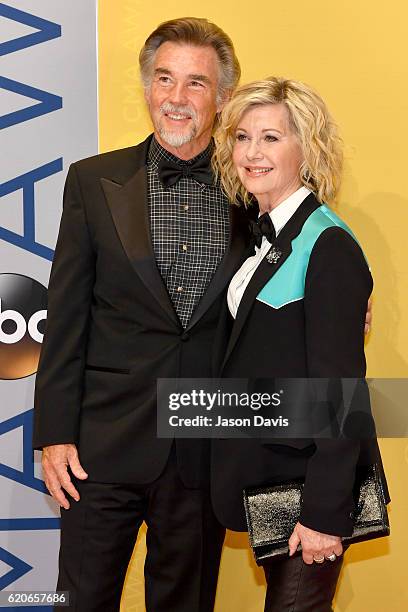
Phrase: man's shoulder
x=117 y=165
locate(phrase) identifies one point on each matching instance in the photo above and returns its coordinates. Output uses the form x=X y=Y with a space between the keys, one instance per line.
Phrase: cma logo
x=23 y=303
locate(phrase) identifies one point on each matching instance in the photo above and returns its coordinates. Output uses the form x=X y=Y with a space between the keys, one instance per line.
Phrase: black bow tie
x=200 y=171
x=262 y=227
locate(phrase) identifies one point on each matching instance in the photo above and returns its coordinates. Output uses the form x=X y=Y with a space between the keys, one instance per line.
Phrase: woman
x=296 y=309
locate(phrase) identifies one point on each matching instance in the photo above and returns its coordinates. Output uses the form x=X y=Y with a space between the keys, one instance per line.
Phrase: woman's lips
x=257 y=172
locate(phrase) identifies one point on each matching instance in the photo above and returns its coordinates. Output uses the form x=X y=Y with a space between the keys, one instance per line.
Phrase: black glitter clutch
x=272 y=513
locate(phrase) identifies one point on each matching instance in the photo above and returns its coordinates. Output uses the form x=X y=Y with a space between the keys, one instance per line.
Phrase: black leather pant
x=294 y=586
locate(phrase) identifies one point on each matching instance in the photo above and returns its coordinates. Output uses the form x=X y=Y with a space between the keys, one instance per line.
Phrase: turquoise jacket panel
x=288 y=283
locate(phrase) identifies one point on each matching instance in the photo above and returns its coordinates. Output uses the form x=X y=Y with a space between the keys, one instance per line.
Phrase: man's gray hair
x=198 y=32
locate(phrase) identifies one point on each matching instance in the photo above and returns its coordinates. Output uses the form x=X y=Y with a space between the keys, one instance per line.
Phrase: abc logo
x=23 y=303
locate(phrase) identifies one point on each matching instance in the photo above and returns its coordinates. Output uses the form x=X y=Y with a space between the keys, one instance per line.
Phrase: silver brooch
x=273 y=256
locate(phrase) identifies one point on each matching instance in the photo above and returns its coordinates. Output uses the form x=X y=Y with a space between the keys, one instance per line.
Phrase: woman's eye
x=241 y=137
x=270 y=138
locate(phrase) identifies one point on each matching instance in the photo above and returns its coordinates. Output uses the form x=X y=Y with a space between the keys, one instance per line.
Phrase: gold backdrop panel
x=354 y=54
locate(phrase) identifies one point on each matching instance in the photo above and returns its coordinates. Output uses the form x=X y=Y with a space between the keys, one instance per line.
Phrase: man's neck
x=188 y=150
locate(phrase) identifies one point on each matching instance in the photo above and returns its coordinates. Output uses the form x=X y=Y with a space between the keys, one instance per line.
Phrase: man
x=146 y=247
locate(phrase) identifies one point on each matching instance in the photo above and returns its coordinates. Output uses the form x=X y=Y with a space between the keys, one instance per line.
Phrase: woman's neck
x=270 y=200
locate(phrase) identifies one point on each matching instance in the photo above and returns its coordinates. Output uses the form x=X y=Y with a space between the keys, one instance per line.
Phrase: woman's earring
x=306 y=175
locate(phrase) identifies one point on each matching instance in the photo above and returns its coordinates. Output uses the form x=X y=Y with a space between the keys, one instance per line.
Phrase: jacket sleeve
x=337 y=287
x=59 y=380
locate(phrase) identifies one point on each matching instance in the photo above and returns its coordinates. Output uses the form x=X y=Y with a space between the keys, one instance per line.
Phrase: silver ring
x=332 y=557
x=321 y=560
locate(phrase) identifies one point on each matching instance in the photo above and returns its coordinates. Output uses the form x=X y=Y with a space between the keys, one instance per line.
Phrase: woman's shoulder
x=324 y=218
x=334 y=238
x=337 y=261
x=336 y=242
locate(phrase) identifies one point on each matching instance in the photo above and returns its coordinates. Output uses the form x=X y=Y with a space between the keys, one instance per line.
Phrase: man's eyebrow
x=192 y=77
x=162 y=71
x=200 y=77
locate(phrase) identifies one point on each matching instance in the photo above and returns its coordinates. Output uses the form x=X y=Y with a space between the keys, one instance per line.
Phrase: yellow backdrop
x=354 y=54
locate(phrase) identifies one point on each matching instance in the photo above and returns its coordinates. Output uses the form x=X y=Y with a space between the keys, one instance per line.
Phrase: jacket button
x=185 y=337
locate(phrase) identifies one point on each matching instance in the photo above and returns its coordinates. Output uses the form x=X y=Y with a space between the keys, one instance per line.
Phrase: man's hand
x=369 y=316
x=315 y=545
x=55 y=460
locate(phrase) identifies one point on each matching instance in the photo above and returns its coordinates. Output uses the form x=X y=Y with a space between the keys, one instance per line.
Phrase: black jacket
x=112 y=329
x=320 y=335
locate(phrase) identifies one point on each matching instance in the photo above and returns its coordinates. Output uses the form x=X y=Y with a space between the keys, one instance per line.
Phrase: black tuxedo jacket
x=318 y=336
x=112 y=329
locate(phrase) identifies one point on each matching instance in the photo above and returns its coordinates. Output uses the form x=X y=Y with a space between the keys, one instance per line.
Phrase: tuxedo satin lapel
x=129 y=210
x=232 y=259
x=263 y=274
x=266 y=270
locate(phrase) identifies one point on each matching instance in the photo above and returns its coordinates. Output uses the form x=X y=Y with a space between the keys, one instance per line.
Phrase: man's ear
x=146 y=93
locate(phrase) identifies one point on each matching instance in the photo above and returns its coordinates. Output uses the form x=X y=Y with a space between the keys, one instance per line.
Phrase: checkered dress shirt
x=189 y=225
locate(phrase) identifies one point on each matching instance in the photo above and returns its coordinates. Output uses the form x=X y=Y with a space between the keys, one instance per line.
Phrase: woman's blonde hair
x=309 y=119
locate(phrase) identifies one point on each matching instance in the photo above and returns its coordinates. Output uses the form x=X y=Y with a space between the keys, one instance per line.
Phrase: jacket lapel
x=266 y=270
x=129 y=209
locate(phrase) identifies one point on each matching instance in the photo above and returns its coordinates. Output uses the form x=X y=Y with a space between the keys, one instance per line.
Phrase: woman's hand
x=315 y=545
x=369 y=316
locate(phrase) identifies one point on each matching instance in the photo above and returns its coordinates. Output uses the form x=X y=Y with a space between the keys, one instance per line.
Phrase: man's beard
x=172 y=137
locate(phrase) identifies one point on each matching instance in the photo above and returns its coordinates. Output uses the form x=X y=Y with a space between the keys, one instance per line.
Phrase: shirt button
x=185 y=207
x=184 y=247
x=180 y=289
